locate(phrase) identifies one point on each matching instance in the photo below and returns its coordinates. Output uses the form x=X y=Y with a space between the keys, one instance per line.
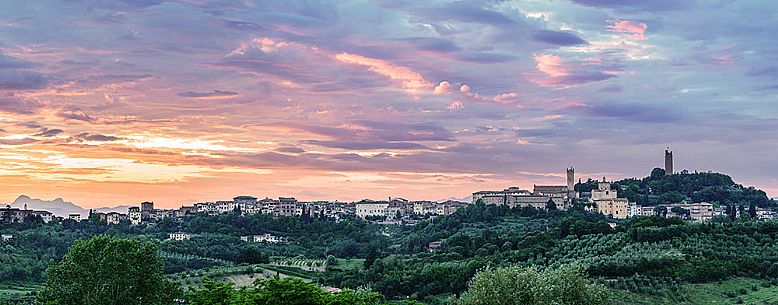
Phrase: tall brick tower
x=668 y=161
x=570 y=181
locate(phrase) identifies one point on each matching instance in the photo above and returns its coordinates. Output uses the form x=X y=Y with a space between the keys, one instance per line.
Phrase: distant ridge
x=60 y=207
x=463 y=199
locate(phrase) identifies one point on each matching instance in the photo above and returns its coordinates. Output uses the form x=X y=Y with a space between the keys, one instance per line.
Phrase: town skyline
x=113 y=102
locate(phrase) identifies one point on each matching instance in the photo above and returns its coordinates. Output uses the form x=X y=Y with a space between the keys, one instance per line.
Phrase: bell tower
x=668 y=161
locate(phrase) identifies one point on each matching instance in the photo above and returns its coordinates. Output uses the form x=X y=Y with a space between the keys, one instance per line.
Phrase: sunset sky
x=107 y=102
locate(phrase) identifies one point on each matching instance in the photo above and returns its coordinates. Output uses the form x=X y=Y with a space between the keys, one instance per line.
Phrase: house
x=135 y=215
x=114 y=218
x=264 y=238
x=425 y=208
x=76 y=217
x=435 y=245
x=45 y=215
x=6 y=237
x=285 y=206
x=179 y=236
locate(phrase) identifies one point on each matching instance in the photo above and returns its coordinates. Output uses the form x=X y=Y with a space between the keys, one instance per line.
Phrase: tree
x=108 y=270
x=528 y=286
x=551 y=205
x=657 y=173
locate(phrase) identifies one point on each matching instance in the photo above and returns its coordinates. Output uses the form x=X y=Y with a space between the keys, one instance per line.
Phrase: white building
x=371 y=208
x=76 y=217
x=135 y=216
x=264 y=238
x=223 y=207
x=179 y=236
x=6 y=237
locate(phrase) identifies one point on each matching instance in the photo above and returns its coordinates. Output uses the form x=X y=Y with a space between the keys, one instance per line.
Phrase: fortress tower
x=668 y=161
x=570 y=180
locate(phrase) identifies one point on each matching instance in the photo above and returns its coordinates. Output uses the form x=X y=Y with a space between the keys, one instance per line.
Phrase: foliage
x=106 y=270
x=527 y=286
x=286 y=291
x=717 y=188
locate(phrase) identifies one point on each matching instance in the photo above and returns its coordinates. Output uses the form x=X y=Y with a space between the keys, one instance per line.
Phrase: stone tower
x=570 y=180
x=668 y=162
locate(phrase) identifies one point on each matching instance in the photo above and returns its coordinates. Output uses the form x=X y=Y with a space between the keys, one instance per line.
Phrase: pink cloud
x=443 y=88
x=629 y=29
x=456 y=106
x=410 y=80
x=551 y=65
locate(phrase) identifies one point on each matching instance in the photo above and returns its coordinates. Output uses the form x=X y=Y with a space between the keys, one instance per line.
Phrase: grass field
x=733 y=291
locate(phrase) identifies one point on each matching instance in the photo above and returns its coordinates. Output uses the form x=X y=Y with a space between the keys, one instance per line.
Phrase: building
x=701 y=211
x=76 y=217
x=368 y=208
x=498 y=197
x=536 y=201
x=179 y=236
x=46 y=216
x=6 y=237
x=223 y=207
x=450 y=207
x=571 y=183
x=425 y=207
x=668 y=162
x=114 y=218
x=550 y=190
x=264 y=238
x=12 y=215
x=135 y=215
x=185 y=211
x=285 y=206
x=607 y=201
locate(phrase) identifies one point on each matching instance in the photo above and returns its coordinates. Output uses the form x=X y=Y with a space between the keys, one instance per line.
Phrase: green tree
x=107 y=270
x=528 y=286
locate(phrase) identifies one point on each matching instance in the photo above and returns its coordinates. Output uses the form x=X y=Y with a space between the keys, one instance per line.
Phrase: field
x=733 y=291
x=17 y=292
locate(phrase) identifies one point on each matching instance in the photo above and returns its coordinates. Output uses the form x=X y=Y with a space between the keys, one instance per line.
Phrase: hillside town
x=604 y=199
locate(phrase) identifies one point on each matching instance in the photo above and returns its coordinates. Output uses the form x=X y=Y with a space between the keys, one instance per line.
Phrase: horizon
x=191 y=101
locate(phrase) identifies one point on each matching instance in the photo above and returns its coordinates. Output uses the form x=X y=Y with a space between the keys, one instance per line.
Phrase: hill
x=659 y=188
x=60 y=207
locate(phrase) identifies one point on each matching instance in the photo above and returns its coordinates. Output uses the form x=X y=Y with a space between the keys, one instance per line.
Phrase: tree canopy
x=515 y=285
x=107 y=270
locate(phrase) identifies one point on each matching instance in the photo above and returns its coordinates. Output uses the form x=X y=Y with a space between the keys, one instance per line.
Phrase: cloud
x=17 y=105
x=629 y=29
x=409 y=80
x=15 y=142
x=443 y=87
x=352 y=145
x=562 y=74
x=76 y=115
x=8 y=62
x=46 y=132
x=215 y=94
x=21 y=80
x=558 y=38
x=455 y=106
x=96 y=137
x=639 y=5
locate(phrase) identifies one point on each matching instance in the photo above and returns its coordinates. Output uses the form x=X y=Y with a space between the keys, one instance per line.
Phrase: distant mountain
x=467 y=199
x=60 y=207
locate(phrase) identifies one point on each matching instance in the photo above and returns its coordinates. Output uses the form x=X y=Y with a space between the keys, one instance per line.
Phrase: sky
x=107 y=102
